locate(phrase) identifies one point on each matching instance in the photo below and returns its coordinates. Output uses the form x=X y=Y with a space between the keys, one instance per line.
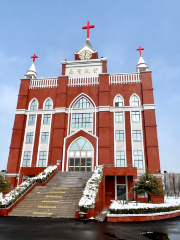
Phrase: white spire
x=141 y=66
x=32 y=71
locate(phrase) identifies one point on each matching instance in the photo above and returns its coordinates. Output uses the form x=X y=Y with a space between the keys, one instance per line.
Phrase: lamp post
x=136 y=195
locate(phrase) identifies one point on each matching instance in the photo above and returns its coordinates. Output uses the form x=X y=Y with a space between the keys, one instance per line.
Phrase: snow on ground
x=171 y=200
x=132 y=205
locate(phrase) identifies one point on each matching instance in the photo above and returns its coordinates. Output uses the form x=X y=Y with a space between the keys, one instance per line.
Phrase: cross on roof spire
x=88 y=27
x=34 y=57
x=140 y=49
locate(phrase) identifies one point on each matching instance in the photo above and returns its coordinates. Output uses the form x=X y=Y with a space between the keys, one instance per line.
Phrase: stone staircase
x=59 y=198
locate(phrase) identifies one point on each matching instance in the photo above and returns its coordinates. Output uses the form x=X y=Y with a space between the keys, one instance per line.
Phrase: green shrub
x=144 y=210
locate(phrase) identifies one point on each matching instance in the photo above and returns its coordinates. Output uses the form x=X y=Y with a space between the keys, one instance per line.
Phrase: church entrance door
x=80 y=156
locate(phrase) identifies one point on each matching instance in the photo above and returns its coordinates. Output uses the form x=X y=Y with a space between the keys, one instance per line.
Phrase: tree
x=4 y=185
x=149 y=184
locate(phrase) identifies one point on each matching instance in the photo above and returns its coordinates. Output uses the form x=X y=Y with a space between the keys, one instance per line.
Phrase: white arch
x=78 y=98
x=46 y=101
x=32 y=101
x=67 y=163
x=118 y=95
x=134 y=94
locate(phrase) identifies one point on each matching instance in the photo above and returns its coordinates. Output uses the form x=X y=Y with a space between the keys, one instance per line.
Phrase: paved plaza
x=20 y=228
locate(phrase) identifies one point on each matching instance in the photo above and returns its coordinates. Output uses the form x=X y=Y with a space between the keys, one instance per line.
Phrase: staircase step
x=59 y=198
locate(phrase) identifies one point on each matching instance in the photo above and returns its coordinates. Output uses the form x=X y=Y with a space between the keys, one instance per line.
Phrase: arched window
x=48 y=104
x=34 y=105
x=80 y=156
x=83 y=103
x=118 y=102
x=134 y=101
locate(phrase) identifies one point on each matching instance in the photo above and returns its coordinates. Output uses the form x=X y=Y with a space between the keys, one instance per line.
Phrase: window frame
x=29 y=159
x=83 y=102
x=121 y=115
x=47 y=100
x=138 y=160
x=31 y=121
x=135 y=133
x=79 y=120
x=119 y=132
x=31 y=137
x=46 y=137
x=119 y=103
x=44 y=159
x=46 y=123
x=124 y=159
x=135 y=116
x=30 y=106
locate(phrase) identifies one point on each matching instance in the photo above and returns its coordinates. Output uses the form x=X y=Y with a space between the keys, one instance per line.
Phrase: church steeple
x=31 y=73
x=141 y=66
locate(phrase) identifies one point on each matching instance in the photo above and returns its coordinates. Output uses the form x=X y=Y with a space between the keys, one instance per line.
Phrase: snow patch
x=23 y=187
x=89 y=194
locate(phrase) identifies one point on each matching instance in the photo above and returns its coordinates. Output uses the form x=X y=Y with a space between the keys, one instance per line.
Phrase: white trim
x=118 y=95
x=90 y=61
x=134 y=94
x=142 y=140
x=142 y=215
x=98 y=109
x=125 y=138
x=78 y=98
x=24 y=141
x=31 y=102
x=67 y=164
x=64 y=146
x=115 y=177
x=45 y=103
x=11 y=174
x=126 y=187
x=131 y=139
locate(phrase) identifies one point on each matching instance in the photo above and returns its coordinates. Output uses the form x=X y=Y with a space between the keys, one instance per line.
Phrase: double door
x=80 y=164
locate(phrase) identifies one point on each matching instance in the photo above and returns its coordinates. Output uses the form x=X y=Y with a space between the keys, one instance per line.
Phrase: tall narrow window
x=42 y=159
x=48 y=104
x=134 y=101
x=32 y=119
x=83 y=103
x=120 y=159
x=34 y=105
x=138 y=159
x=26 y=159
x=118 y=102
x=119 y=116
x=119 y=135
x=82 y=120
x=47 y=119
x=135 y=116
x=136 y=135
x=29 y=137
x=45 y=137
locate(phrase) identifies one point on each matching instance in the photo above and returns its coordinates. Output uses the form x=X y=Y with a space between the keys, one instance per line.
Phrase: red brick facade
x=102 y=137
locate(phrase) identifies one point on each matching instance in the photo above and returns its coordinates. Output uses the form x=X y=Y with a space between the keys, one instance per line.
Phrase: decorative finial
x=88 y=27
x=34 y=57
x=140 y=49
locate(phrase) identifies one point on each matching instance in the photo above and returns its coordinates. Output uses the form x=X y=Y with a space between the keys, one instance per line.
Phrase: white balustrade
x=83 y=81
x=125 y=78
x=43 y=83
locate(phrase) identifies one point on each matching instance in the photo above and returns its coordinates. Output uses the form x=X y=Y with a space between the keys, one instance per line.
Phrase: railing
x=125 y=78
x=117 y=165
x=83 y=81
x=43 y=83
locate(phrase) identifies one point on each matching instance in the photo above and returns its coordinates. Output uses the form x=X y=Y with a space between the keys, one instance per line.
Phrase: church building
x=84 y=118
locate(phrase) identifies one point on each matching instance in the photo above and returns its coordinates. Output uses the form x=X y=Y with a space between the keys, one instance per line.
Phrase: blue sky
x=53 y=31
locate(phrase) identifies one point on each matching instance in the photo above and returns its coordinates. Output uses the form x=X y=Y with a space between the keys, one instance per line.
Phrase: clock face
x=84 y=55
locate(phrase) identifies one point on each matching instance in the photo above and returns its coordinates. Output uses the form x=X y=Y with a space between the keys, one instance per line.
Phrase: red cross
x=140 y=49
x=88 y=27
x=34 y=57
